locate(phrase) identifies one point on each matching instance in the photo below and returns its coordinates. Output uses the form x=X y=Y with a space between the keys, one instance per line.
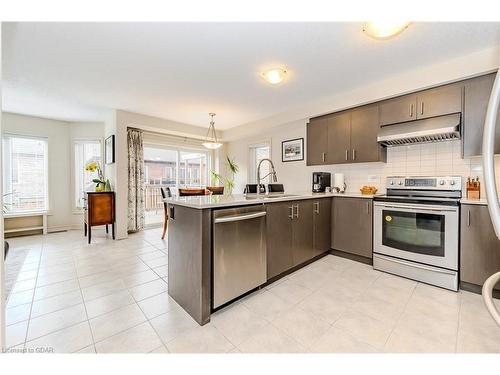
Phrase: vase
x=107 y=187
x=99 y=188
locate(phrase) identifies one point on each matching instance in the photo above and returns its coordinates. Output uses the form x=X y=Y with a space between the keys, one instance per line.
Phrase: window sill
x=24 y=214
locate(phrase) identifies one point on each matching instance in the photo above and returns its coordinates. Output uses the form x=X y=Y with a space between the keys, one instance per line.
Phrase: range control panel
x=424 y=183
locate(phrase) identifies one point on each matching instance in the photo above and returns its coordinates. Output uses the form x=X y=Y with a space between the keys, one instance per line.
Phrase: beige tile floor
x=112 y=296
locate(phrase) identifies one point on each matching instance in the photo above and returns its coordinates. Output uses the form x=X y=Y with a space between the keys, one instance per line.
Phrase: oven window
x=414 y=232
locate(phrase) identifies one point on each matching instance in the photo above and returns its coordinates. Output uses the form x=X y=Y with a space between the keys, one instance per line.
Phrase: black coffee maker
x=321 y=180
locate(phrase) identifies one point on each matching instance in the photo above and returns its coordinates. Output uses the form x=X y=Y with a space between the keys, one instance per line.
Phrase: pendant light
x=211 y=138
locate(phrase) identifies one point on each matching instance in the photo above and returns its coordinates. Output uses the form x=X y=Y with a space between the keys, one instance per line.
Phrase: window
x=169 y=166
x=85 y=151
x=25 y=173
x=257 y=153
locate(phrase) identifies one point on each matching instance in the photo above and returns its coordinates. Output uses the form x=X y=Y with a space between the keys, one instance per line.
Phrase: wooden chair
x=191 y=192
x=216 y=190
x=165 y=193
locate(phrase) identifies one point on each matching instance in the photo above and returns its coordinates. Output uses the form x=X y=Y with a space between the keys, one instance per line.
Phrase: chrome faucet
x=273 y=173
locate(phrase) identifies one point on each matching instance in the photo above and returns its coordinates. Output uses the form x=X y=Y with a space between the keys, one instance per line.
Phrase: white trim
x=42 y=227
x=252 y=172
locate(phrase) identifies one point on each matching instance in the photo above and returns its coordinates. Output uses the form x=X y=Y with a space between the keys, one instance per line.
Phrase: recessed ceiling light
x=274 y=76
x=384 y=29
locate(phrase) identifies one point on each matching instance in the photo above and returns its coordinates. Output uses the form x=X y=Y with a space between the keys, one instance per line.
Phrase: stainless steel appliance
x=416 y=229
x=239 y=252
x=435 y=129
x=320 y=181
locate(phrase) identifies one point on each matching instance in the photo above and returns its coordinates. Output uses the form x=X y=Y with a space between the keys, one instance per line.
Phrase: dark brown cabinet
x=297 y=231
x=479 y=246
x=279 y=238
x=317 y=141
x=99 y=209
x=339 y=138
x=350 y=136
x=322 y=215
x=477 y=95
x=440 y=101
x=364 y=131
x=352 y=226
x=302 y=232
x=400 y=109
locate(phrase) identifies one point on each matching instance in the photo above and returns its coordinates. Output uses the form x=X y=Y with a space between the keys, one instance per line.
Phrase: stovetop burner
x=425 y=190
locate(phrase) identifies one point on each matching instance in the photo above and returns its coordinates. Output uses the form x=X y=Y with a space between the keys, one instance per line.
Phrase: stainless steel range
x=416 y=229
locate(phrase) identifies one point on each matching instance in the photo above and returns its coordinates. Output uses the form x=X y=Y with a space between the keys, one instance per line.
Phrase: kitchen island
x=297 y=231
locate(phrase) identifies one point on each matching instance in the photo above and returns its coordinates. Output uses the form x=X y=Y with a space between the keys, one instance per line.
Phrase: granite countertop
x=216 y=201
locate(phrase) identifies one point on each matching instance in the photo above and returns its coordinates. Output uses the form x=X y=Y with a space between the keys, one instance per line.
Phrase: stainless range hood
x=435 y=129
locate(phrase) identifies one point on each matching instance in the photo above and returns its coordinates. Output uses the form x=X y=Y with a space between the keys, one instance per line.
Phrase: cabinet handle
x=468 y=218
x=323 y=156
x=368 y=207
x=422 y=108
x=353 y=154
x=346 y=154
x=291 y=212
x=297 y=214
x=316 y=209
x=411 y=110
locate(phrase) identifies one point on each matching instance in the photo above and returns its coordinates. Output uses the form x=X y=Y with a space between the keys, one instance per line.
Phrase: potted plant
x=228 y=181
x=94 y=166
x=217 y=179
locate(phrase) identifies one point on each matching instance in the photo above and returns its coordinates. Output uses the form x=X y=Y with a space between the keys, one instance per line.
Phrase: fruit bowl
x=368 y=190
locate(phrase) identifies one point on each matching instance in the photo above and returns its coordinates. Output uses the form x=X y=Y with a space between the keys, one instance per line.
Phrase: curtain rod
x=180 y=137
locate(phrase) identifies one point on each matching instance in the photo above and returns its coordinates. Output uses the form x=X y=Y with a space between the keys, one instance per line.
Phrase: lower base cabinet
x=322 y=224
x=297 y=231
x=352 y=220
x=479 y=246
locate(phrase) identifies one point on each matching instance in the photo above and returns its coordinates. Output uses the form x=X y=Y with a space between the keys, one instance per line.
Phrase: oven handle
x=415 y=265
x=417 y=208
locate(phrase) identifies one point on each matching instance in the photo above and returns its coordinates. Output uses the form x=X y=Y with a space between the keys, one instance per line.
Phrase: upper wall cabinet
x=364 y=131
x=477 y=95
x=440 y=101
x=401 y=109
x=345 y=137
x=317 y=141
x=339 y=138
x=428 y=103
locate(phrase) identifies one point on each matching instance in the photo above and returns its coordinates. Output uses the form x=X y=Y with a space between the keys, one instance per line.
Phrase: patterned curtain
x=136 y=206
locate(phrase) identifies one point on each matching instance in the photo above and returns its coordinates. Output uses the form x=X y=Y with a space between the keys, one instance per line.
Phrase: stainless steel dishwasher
x=239 y=252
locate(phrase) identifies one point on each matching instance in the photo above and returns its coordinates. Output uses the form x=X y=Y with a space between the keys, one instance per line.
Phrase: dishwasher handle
x=228 y=219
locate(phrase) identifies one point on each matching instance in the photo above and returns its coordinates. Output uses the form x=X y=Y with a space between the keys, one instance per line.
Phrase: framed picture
x=109 y=149
x=292 y=150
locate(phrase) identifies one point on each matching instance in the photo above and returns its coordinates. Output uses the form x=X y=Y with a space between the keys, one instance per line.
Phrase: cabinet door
x=477 y=95
x=339 y=138
x=317 y=141
x=364 y=131
x=302 y=232
x=322 y=225
x=401 y=109
x=352 y=226
x=279 y=238
x=479 y=246
x=439 y=101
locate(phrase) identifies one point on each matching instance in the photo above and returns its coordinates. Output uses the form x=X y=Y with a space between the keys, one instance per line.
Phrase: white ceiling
x=182 y=71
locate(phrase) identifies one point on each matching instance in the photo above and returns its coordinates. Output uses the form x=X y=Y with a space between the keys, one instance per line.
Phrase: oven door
x=422 y=233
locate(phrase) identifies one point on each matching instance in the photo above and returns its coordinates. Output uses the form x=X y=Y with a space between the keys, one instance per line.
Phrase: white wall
x=117 y=124
x=59 y=134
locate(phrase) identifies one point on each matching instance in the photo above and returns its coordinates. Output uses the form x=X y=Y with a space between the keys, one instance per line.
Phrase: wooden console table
x=99 y=209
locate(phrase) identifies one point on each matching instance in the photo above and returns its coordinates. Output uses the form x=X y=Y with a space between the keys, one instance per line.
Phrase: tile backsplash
x=428 y=159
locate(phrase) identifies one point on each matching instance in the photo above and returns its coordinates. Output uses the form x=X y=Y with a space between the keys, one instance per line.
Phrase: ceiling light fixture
x=211 y=138
x=384 y=29
x=274 y=76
